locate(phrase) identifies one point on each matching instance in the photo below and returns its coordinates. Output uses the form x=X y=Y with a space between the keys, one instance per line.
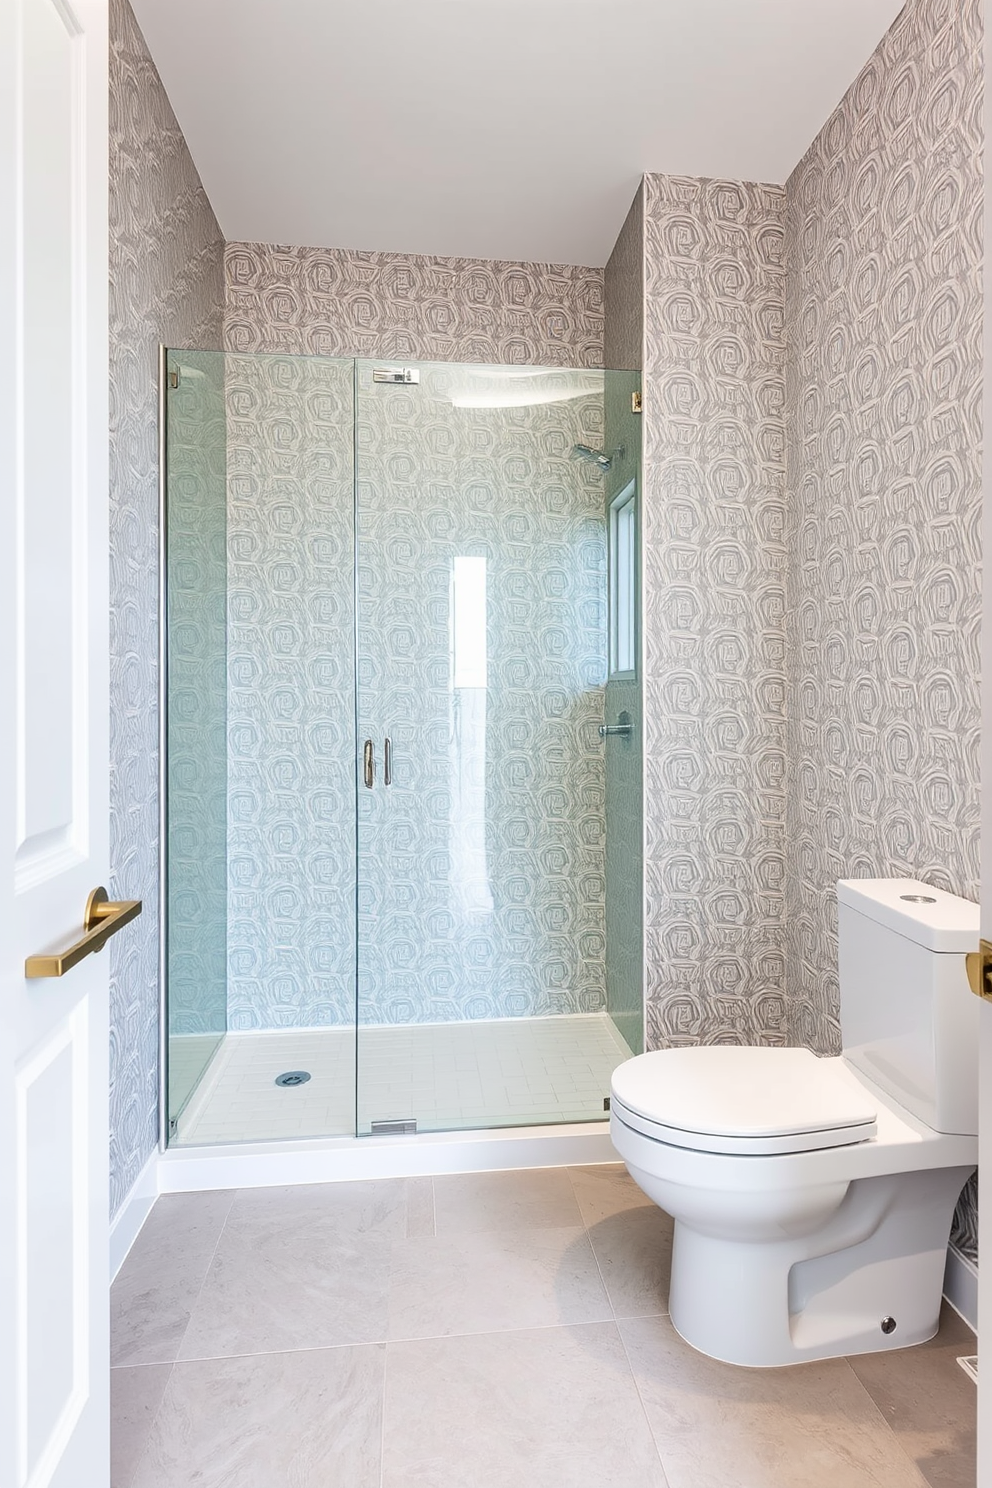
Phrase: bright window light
x=623 y=584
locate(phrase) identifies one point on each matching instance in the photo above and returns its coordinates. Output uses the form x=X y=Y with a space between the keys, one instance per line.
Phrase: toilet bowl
x=813 y=1197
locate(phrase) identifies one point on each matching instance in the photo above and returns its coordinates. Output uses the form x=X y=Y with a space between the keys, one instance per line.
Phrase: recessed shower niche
x=403 y=823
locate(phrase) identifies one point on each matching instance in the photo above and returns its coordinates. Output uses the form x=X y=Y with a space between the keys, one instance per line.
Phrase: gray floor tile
x=494 y=1279
x=525 y=1199
x=808 y=1426
x=153 y=1295
x=296 y=1420
x=634 y=1251
x=187 y=1221
x=605 y=1189
x=929 y=1401
x=419 y=1207
x=551 y=1408
x=135 y=1396
x=310 y=1271
x=347 y=1210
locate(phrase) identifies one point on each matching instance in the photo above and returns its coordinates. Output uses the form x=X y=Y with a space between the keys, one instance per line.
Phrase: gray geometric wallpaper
x=166 y=284
x=291 y=692
x=715 y=621
x=333 y=302
x=480 y=870
x=196 y=557
x=482 y=652
x=884 y=307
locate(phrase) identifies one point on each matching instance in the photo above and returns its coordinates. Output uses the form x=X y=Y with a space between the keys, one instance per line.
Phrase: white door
x=985 y=1033
x=54 y=1374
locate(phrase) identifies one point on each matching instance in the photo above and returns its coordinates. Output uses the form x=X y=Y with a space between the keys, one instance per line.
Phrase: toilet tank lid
x=929 y=916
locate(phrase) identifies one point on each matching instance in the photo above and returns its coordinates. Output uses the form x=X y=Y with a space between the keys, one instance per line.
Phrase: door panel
x=53 y=741
x=482 y=658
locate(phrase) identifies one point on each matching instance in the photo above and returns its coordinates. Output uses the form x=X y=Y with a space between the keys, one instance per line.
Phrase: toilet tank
x=909 y=1020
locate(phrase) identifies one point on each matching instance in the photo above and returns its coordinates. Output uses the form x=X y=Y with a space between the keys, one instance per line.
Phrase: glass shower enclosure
x=402 y=881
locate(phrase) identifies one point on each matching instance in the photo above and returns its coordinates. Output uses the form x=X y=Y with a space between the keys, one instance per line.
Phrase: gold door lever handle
x=978 y=965
x=103 y=918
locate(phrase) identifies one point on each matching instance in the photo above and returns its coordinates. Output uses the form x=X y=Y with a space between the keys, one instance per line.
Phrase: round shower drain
x=293 y=1077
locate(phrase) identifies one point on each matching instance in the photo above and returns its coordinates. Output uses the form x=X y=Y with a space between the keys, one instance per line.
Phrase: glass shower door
x=260 y=703
x=481 y=666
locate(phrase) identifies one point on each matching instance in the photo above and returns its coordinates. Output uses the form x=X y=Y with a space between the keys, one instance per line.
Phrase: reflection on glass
x=470 y=874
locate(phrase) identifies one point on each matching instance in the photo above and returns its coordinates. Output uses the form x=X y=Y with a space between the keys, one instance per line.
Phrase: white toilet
x=813 y=1198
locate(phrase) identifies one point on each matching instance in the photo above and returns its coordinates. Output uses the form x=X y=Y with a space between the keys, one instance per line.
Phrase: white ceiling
x=491 y=128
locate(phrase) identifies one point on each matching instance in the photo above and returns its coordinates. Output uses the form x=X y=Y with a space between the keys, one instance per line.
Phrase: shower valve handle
x=622 y=729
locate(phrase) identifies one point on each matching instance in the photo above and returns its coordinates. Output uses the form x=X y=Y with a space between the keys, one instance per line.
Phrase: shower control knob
x=622 y=729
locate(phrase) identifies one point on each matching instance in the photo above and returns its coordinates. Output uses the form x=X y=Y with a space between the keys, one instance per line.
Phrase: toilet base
x=868 y=1279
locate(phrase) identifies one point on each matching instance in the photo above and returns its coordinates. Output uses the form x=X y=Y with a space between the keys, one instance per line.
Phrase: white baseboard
x=126 y=1223
x=961 y=1286
x=347 y=1159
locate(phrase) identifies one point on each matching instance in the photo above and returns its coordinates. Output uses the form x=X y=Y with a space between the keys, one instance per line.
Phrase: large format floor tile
x=494 y=1279
x=630 y=1236
x=551 y=1408
x=303 y=1267
x=807 y=1426
x=929 y=1402
x=135 y=1396
x=605 y=1189
x=157 y=1287
x=505 y=1365
x=286 y=1420
x=529 y=1197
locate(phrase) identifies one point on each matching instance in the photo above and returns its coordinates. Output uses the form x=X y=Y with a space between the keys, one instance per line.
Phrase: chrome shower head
x=595 y=456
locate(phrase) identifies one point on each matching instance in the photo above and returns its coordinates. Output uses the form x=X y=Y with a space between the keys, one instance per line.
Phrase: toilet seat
x=745 y=1101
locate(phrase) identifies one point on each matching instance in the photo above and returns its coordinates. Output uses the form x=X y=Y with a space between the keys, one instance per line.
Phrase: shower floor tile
x=447 y=1076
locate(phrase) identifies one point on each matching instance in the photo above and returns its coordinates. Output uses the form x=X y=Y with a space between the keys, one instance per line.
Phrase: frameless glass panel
x=482 y=664
x=278 y=739
x=196 y=846
x=624 y=713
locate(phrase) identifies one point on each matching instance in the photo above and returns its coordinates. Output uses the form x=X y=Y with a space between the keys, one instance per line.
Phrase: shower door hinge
x=635 y=403
x=396 y=374
x=173 y=377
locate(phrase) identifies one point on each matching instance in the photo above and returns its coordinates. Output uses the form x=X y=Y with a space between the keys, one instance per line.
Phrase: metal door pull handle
x=102 y=918
x=387 y=761
x=369 y=763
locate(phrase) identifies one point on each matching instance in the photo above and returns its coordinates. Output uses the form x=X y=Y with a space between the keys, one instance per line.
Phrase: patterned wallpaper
x=291 y=692
x=623 y=293
x=196 y=516
x=481 y=867
x=332 y=302
x=884 y=305
x=482 y=626
x=166 y=284
x=715 y=554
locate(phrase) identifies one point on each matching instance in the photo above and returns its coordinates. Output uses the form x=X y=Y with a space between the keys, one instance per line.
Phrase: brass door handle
x=102 y=918
x=978 y=965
